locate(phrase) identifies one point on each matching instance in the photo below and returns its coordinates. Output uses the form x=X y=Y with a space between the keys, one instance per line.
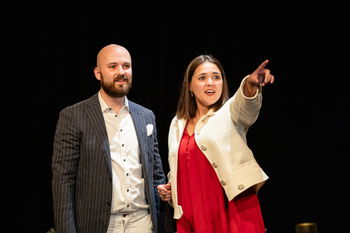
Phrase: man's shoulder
x=81 y=104
x=139 y=107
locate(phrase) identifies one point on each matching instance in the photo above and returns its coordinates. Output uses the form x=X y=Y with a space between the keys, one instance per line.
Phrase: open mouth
x=210 y=92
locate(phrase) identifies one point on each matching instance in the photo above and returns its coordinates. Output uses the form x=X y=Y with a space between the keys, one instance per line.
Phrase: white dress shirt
x=128 y=184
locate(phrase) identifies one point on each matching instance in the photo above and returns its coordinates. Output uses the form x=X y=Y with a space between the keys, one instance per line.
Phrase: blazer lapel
x=94 y=113
x=140 y=127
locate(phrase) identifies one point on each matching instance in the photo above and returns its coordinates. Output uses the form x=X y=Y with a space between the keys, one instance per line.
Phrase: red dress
x=204 y=203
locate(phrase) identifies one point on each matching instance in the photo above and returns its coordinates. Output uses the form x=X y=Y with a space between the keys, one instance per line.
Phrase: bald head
x=111 y=50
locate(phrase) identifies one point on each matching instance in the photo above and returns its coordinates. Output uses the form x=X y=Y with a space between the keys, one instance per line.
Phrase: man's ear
x=97 y=73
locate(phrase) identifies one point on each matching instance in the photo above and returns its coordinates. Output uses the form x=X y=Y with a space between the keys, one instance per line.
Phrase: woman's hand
x=261 y=76
x=164 y=191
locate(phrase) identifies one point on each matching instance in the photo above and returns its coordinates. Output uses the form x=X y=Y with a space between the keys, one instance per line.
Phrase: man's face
x=115 y=72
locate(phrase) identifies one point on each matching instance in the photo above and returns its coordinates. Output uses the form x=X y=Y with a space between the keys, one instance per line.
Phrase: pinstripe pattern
x=81 y=167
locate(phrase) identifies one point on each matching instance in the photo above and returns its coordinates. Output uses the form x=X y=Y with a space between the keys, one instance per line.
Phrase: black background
x=299 y=139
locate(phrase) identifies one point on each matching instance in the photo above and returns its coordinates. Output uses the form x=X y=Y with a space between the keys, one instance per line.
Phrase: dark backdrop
x=300 y=138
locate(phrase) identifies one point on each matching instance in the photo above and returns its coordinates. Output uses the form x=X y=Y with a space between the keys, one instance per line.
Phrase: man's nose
x=120 y=70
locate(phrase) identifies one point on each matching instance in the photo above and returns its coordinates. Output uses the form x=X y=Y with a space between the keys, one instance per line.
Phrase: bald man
x=106 y=163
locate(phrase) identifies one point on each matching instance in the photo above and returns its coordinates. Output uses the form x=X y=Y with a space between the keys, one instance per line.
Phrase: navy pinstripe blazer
x=81 y=167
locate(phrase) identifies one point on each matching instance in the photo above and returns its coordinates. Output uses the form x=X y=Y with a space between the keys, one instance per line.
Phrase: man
x=106 y=163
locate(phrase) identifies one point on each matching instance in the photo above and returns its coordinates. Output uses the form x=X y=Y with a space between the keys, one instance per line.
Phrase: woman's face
x=206 y=84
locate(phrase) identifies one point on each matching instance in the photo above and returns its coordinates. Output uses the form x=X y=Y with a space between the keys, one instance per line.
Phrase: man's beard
x=114 y=91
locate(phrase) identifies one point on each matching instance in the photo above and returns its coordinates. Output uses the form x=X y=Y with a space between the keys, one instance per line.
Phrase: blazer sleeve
x=159 y=176
x=64 y=163
x=245 y=110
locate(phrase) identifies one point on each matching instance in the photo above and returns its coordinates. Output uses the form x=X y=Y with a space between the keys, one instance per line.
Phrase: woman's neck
x=191 y=125
x=201 y=111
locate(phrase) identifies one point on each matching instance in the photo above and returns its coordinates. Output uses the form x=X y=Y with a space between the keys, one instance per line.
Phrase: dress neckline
x=186 y=132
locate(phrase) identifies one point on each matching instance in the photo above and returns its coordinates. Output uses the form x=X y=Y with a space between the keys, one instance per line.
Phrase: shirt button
x=203 y=148
x=223 y=182
x=241 y=187
x=214 y=165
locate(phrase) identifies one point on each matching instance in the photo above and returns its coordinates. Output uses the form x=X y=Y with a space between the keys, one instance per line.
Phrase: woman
x=214 y=177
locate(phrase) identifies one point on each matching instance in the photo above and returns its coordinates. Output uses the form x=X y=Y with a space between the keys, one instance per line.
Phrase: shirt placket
x=127 y=173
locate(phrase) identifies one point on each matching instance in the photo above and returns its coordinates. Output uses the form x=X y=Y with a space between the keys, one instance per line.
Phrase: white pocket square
x=149 y=128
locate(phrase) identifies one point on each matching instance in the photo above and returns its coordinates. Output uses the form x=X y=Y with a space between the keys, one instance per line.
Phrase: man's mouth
x=121 y=79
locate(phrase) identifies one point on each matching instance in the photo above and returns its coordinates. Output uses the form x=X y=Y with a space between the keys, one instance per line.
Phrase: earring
x=191 y=94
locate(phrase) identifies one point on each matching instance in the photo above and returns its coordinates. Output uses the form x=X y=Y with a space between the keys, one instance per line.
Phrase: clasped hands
x=164 y=191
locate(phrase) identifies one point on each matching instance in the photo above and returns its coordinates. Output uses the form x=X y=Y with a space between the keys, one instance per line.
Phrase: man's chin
x=120 y=92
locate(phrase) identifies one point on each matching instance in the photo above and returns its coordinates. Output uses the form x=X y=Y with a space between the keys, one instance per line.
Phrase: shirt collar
x=105 y=107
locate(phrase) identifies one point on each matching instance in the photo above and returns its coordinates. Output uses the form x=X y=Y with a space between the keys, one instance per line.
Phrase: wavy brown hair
x=187 y=107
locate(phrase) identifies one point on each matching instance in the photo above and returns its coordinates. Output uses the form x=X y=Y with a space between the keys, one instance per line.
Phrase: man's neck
x=116 y=103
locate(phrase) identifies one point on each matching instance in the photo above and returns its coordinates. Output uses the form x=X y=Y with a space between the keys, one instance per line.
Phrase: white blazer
x=221 y=136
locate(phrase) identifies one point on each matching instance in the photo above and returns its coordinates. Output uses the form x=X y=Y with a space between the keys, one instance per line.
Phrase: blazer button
x=214 y=165
x=241 y=187
x=223 y=182
x=203 y=148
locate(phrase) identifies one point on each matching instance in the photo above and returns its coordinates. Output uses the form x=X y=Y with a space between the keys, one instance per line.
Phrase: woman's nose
x=210 y=81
